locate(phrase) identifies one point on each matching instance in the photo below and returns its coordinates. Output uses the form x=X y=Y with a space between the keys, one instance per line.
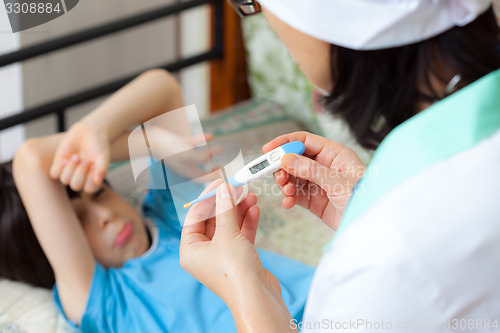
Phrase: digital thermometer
x=261 y=167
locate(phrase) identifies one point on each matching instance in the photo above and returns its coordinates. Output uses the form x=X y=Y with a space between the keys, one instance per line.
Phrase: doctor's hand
x=320 y=180
x=219 y=252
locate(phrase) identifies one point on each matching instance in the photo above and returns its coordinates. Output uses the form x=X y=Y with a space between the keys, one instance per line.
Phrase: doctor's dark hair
x=21 y=257
x=375 y=91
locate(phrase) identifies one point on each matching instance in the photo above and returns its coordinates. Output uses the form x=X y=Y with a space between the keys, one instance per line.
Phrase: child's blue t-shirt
x=152 y=293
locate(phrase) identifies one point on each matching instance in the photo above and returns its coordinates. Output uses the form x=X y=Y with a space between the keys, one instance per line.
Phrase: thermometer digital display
x=261 y=167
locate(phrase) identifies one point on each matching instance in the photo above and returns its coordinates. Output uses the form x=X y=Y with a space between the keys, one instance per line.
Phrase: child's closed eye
x=99 y=193
x=80 y=214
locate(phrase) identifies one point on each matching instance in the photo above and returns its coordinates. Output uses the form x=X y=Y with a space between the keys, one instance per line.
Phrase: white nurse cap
x=375 y=24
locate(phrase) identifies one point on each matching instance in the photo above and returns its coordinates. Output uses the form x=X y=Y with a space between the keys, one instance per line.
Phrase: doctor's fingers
x=198 y=226
x=250 y=223
x=281 y=177
x=296 y=191
x=307 y=169
x=328 y=153
x=203 y=210
x=227 y=215
x=243 y=207
x=314 y=144
x=245 y=204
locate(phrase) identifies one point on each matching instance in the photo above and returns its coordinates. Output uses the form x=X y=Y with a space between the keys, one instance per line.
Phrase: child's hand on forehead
x=82 y=159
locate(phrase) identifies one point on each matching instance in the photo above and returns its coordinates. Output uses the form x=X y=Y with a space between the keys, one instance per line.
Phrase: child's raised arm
x=55 y=223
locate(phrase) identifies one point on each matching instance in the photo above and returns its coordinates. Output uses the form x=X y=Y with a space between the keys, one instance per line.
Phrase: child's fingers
x=57 y=167
x=60 y=160
x=78 y=178
x=200 y=139
x=192 y=171
x=101 y=165
x=188 y=170
x=200 y=156
x=69 y=169
x=63 y=154
x=208 y=177
x=209 y=137
x=90 y=187
x=215 y=150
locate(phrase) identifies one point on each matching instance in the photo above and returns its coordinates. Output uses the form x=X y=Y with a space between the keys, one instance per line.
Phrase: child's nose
x=104 y=223
x=105 y=216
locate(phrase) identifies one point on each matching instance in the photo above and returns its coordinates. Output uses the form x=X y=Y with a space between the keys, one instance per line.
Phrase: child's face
x=113 y=228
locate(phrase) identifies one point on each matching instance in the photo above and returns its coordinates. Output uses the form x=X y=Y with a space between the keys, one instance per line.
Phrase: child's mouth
x=124 y=234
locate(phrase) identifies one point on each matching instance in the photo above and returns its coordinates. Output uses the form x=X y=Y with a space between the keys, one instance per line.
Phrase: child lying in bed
x=114 y=270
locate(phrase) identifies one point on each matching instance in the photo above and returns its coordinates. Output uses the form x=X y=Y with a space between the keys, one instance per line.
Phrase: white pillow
x=24 y=308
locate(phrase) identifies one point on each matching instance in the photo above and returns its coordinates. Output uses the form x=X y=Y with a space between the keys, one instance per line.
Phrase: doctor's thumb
x=307 y=169
x=225 y=208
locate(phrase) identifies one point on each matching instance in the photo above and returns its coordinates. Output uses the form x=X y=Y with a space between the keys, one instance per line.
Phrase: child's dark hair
x=21 y=257
x=375 y=91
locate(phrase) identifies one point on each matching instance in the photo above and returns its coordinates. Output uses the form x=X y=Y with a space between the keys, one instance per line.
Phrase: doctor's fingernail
x=291 y=161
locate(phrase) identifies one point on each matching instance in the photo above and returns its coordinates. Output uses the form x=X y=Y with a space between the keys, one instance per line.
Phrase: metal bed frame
x=60 y=105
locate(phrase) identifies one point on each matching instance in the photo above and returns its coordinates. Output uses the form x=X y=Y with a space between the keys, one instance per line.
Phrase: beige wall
x=104 y=59
x=10 y=90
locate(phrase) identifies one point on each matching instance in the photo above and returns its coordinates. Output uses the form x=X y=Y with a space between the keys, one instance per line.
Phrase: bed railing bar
x=99 y=31
x=187 y=62
x=87 y=95
x=61 y=120
x=219 y=27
